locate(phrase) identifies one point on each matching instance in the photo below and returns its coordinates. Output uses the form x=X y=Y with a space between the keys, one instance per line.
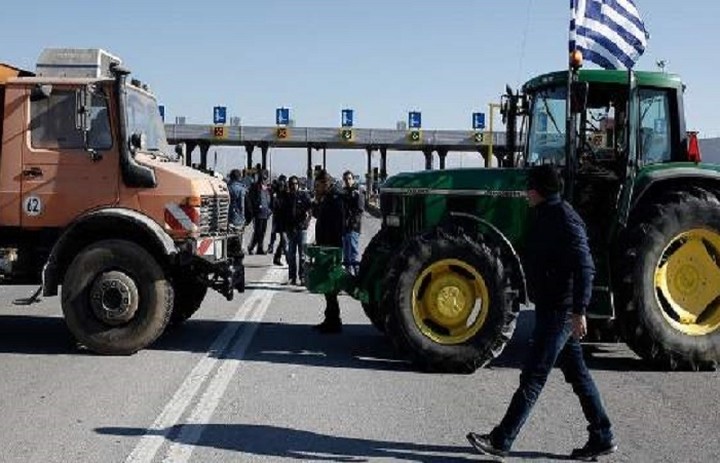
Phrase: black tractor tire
x=375 y=311
x=96 y=273
x=463 y=357
x=189 y=296
x=642 y=323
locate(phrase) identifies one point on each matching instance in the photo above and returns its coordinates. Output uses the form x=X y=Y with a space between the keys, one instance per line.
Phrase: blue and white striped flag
x=610 y=33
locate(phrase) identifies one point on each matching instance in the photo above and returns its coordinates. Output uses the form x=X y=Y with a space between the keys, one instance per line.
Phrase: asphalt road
x=248 y=380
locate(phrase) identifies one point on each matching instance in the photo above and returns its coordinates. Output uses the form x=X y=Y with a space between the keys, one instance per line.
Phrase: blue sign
x=347 y=118
x=219 y=115
x=162 y=112
x=282 y=116
x=479 y=121
x=414 y=120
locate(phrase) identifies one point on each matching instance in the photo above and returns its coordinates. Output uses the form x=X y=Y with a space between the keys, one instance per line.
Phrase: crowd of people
x=255 y=200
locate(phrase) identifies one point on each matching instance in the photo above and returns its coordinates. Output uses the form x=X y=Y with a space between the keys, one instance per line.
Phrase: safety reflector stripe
x=203 y=247
x=177 y=219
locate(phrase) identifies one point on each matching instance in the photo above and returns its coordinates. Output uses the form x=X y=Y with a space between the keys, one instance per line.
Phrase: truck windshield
x=546 y=137
x=144 y=118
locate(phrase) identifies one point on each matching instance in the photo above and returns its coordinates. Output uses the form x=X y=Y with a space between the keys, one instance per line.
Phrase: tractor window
x=655 y=136
x=546 y=139
x=53 y=123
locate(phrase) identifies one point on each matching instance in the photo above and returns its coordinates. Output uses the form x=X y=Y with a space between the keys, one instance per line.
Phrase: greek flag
x=610 y=33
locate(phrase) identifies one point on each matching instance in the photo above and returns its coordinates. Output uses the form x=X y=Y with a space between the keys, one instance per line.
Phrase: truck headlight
x=392 y=220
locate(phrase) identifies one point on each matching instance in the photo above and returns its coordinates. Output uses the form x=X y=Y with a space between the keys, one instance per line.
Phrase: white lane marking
x=157 y=433
x=190 y=432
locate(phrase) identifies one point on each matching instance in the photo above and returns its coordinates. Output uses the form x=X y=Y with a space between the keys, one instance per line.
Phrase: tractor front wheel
x=450 y=307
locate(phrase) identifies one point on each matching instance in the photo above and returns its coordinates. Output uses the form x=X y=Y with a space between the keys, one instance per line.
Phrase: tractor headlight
x=392 y=221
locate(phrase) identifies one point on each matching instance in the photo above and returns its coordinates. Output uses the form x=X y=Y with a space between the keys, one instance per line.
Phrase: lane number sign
x=32 y=206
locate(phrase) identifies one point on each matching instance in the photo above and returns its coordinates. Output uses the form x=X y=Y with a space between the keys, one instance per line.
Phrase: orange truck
x=94 y=202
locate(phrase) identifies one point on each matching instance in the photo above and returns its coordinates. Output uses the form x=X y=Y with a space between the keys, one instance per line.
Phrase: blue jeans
x=296 y=242
x=351 y=252
x=553 y=342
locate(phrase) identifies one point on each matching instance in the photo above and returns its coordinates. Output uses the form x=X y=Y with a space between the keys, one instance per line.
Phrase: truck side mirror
x=83 y=117
x=137 y=141
x=578 y=97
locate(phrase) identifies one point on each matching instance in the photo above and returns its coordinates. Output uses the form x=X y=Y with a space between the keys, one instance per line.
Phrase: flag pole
x=569 y=117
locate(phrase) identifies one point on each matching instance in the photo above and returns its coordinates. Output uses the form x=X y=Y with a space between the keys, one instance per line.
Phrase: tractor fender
x=107 y=223
x=679 y=178
x=497 y=237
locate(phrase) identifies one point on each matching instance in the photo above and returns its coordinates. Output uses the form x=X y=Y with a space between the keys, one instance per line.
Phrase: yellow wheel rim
x=450 y=301
x=687 y=282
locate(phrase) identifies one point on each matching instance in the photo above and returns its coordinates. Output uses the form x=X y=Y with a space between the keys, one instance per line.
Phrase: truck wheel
x=450 y=308
x=670 y=284
x=375 y=311
x=189 y=295
x=115 y=297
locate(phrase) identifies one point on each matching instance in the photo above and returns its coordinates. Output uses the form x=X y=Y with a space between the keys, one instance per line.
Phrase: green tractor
x=444 y=279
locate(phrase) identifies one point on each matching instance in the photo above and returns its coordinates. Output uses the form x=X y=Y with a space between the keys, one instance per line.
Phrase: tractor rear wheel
x=670 y=283
x=450 y=306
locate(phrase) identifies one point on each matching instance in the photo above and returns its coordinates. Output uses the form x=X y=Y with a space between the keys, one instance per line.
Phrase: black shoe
x=329 y=327
x=591 y=451
x=270 y=249
x=292 y=281
x=484 y=445
x=277 y=261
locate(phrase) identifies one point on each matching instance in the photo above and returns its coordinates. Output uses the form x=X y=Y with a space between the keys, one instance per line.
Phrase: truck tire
x=375 y=311
x=451 y=308
x=116 y=298
x=189 y=295
x=669 y=287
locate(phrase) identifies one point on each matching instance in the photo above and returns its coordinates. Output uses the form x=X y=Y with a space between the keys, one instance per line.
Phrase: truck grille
x=214 y=214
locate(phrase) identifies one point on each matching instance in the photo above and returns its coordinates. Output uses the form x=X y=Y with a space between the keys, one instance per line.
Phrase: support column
x=263 y=152
x=428 y=152
x=369 y=174
x=383 y=163
x=249 y=150
x=325 y=157
x=189 y=148
x=442 y=154
x=309 y=168
x=204 y=148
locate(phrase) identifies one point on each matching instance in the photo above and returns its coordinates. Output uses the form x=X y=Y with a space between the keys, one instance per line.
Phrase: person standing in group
x=560 y=274
x=260 y=200
x=354 y=204
x=295 y=216
x=238 y=204
x=329 y=213
x=278 y=194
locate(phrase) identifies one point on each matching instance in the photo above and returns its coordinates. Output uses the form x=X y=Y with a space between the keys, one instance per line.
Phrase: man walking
x=278 y=194
x=354 y=206
x=560 y=272
x=295 y=216
x=329 y=211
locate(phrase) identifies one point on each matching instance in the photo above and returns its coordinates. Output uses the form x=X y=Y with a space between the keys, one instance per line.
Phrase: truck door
x=60 y=178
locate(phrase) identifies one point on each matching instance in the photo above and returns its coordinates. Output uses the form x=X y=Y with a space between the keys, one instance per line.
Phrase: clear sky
x=380 y=57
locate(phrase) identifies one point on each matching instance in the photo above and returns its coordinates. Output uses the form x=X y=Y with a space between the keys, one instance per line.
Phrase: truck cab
x=89 y=182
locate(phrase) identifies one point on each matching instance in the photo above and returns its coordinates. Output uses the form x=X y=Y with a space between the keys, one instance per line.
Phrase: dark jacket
x=261 y=200
x=330 y=215
x=558 y=262
x=294 y=211
x=354 y=206
x=238 y=201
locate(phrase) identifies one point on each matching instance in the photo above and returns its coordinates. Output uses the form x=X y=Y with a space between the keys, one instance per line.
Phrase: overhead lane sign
x=347 y=118
x=219 y=115
x=414 y=120
x=282 y=116
x=478 y=121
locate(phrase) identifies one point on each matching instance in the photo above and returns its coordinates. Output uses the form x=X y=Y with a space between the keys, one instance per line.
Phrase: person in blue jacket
x=560 y=274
